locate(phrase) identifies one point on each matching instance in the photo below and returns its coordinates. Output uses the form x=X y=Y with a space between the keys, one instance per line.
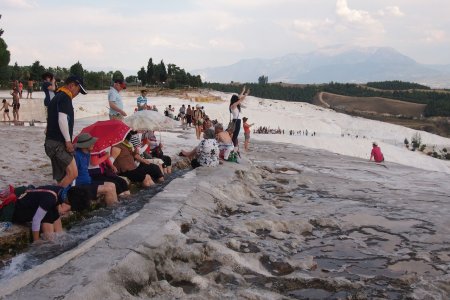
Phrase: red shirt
x=246 y=128
x=376 y=154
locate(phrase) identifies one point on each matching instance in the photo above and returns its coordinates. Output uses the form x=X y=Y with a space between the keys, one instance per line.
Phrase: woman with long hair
x=235 y=110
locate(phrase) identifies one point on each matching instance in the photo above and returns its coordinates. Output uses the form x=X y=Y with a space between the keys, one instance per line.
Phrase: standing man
x=20 y=89
x=189 y=115
x=30 y=85
x=48 y=87
x=58 y=138
x=115 y=100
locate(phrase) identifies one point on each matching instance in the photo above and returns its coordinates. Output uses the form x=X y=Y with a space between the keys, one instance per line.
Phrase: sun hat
x=197 y=106
x=375 y=143
x=78 y=80
x=85 y=140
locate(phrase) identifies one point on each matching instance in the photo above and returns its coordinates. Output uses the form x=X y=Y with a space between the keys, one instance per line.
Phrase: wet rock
x=15 y=239
x=277 y=268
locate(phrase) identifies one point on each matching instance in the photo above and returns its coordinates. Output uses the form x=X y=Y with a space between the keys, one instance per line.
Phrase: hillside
x=386 y=110
x=369 y=105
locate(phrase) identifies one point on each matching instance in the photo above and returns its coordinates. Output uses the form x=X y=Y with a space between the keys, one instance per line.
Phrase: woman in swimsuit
x=5 y=109
x=15 y=104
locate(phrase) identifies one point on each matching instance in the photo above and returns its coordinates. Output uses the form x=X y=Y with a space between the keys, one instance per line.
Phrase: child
x=246 y=132
x=6 y=109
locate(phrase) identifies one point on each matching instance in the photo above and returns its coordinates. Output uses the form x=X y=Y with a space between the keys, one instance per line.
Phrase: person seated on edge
x=84 y=146
x=225 y=142
x=376 y=153
x=140 y=147
x=206 y=154
x=43 y=207
x=142 y=101
x=154 y=151
x=123 y=156
x=101 y=169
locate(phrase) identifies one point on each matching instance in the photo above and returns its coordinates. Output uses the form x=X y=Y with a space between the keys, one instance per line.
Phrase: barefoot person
x=58 y=138
x=44 y=205
x=16 y=104
x=246 y=132
x=48 y=87
x=5 y=108
x=30 y=84
x=235 y=110
x=376 y=153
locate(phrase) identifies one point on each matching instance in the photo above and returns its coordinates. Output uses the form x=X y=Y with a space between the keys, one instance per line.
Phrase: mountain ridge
x=338 y=64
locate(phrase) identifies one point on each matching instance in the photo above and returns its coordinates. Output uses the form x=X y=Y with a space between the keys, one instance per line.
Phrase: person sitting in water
x=206 y=153
x=155 y=151
x=84 y=145
x=123 y=156
x=225 y=142
x=376 y=153
x=142 y=101
x=43 y=206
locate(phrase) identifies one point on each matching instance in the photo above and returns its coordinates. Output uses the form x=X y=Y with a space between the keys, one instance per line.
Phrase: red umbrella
x=109 y=133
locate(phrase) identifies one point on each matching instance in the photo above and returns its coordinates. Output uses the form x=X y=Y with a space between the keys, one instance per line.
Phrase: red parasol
x=109 y=133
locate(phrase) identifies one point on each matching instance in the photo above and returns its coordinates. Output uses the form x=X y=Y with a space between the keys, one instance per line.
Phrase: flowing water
x=82 y=229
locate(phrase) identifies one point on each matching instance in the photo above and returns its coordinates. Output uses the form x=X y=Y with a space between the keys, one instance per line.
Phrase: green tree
x=150 y=71
x=36 y=70
x=5 y=57
x=142 y=76
x=77 y=69
x=263 y=79
x=117 y=75
x=131 y=79
x=162 y=72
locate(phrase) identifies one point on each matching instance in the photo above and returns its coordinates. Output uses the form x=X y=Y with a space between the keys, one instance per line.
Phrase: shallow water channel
x=80 y=230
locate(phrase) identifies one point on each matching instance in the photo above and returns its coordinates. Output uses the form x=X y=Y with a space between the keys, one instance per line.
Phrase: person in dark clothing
x=43 y=206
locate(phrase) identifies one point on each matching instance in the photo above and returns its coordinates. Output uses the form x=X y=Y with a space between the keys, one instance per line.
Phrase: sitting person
x=376 y=153
x=43 y=207
x=123 y=156
x=101 y=169
x=141 y=148
x=225 y=142
x=154 y=150
x=84 y=146
x=206 y=153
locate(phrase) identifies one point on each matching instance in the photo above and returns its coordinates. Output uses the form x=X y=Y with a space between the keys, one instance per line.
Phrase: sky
x=195 y=34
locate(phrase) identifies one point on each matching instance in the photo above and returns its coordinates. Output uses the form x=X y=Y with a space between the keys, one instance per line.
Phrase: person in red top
x=376 y=153
x=246 y=132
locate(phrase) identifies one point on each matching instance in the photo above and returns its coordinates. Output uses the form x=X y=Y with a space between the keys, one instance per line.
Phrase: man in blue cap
x=58 y=137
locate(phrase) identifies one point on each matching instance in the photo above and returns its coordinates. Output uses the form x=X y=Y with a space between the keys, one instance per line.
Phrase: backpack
x=7 y=203
x=233 y=157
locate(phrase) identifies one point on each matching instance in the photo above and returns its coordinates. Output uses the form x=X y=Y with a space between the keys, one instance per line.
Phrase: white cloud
x=226 y=44
x=88 y=48
x=394 y=11
x=22 y=4
x=435 y=36
x=352 y=15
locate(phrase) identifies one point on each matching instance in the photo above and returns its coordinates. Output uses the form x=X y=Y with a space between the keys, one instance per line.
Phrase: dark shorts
x=167 y=161
x=120 y=183
x=59 y=157
x=6 y=110
x=138 y=174
x=92 y=189
x=16 y=106
x=30 y=90
x=189 y=119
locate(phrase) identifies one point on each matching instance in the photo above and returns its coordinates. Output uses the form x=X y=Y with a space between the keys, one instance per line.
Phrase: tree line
x=397 y=85
x=437 y=103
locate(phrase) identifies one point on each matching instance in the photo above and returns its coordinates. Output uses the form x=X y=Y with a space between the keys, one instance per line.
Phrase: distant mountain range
x=338 y=64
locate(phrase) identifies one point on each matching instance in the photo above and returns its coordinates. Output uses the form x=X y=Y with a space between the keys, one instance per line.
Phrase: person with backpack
x=43 y=207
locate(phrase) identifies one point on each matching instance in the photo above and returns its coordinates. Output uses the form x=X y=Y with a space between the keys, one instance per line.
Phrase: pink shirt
x=376 y=154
